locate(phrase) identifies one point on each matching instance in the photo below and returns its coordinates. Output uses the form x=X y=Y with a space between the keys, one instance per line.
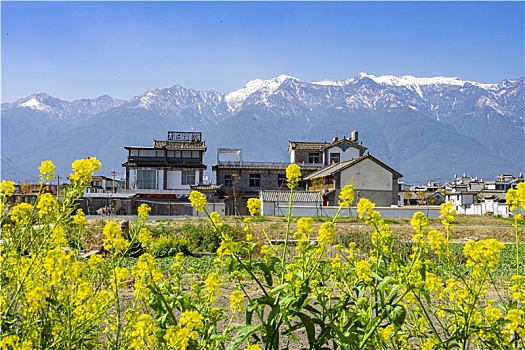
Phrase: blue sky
x=74 y=50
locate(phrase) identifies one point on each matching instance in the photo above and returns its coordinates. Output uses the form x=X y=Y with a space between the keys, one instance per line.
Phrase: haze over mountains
x=425 y=128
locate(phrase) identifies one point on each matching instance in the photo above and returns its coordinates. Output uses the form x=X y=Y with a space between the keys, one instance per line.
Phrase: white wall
x=431 y=212
x=489 y=206
x=349 y=154
x=174 y=180
x=367 y=175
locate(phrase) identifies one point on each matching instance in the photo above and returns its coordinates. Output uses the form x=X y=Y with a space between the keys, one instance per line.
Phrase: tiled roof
x=320 y=146
x=307 y=146
x=205 y=187
x=284 y=196
x=337 y=167
x=164 y=164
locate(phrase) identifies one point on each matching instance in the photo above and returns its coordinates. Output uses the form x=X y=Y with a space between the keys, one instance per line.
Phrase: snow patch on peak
x=411 y=81
x=267 y=87
x=35 y=104
x=328 y=82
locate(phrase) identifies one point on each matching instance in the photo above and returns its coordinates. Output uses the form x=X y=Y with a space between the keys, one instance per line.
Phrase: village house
x=326 y=167
x=241 y=180
x=162 y=175
x=370 y=177
x=104 y=184
x=477 y=197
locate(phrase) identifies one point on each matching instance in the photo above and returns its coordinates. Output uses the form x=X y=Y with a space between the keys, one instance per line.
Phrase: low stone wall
x=431 y=212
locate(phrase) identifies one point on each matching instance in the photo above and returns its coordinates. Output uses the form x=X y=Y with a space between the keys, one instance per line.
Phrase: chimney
x=354 y=136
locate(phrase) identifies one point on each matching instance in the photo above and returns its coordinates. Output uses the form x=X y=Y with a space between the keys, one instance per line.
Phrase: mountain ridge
x=490 y=117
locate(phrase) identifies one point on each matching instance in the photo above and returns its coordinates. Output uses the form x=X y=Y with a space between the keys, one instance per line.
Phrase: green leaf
x=393 y=293
x=397 y=314
x=267 y=272
x=385 y=282
x=277 y=289
x=309 y=326
x=243 y=333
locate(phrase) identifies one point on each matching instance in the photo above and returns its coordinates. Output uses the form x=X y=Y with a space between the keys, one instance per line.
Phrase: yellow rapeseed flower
x=485 y=253
x=191 y=320
x=47 y=205
x=518 y=288
x=113 y=241
x=254 y=206
x=143 y=333
x=80 y=219
x=237 y=301
x=216 y=220
x=447 y=214
x=213 y=284
x=386 y=333
x=83 y=170
x=198 y=200
x=516 y=197
x=346 y=197
x=293 y=175
x=492 y=314
x=419 y=222
x=7 y=188
x=145 y=237
x=437 y=241
x=47 y=170
x=326 y=234
x=304 y=229
x=517 y=321
x=21 y=213
x=253 y=347
x=365 y=206
x=143 y=211
x=363 y=271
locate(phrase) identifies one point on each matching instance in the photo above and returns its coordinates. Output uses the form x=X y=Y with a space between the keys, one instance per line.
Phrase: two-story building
x=323 y=167
x=241 y=180
x=370 y=177
x=174 y=164
x=323 y=153
x=163 y=175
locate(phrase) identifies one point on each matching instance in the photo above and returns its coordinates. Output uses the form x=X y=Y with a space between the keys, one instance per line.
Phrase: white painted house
x=370 y=177
x=174 y=164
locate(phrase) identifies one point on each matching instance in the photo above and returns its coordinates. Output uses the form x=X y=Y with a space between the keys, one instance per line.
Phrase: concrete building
x=370 y=177
x=174 y=164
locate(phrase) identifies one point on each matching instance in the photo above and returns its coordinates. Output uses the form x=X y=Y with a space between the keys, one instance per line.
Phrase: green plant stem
x=516 y=226
x=287 y=233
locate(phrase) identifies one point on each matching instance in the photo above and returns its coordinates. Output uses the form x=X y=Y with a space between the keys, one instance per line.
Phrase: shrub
x=165 y=245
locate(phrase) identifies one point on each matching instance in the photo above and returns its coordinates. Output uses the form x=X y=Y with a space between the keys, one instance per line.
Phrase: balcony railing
x=279 y=164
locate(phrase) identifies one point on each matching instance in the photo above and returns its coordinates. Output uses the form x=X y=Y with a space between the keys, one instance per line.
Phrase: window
x=281 y=180
x=255 y=180
x=188 y=177
x=133 y=152
x=160 y=153
x=186 y=154
x=195 y=154
x=335 y=158
x=228 y=181
x=313 y=158
x=147 y=179
x=147 y=153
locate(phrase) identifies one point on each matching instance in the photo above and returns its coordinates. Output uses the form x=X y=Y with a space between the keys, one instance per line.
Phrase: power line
x=15 y=167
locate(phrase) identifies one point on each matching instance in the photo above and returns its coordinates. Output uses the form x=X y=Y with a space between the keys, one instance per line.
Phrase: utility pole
x=58 y=185
x=113 y=183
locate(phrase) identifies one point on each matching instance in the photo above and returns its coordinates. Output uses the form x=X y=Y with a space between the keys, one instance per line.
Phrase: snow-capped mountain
x=68 y=112
x=400 y=119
